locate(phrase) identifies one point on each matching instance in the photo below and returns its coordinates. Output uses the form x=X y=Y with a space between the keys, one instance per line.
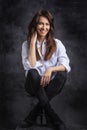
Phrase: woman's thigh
x=56 y=85
x=32 y=82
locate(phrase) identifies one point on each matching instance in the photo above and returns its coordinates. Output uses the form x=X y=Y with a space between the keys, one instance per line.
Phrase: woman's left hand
x=45 y=79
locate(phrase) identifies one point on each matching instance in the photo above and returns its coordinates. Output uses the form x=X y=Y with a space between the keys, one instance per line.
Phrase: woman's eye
x=47 y=24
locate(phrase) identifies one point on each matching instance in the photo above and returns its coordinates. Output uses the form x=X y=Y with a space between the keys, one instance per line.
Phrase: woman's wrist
x=51 y=69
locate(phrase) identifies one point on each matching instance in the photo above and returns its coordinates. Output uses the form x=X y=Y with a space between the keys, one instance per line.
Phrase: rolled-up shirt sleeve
x=63 y=58
x=24 y=54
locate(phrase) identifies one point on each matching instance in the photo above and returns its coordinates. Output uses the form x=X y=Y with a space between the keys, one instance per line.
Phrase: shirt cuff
x=36 y=66
x=68 y=69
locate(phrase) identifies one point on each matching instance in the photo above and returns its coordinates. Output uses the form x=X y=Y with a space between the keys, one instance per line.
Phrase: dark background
x=70 y=18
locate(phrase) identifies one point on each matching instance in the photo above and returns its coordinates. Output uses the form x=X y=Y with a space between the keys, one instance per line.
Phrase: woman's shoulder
x=58 y=41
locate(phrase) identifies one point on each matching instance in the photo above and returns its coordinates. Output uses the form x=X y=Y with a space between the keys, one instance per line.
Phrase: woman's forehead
x=42 y=18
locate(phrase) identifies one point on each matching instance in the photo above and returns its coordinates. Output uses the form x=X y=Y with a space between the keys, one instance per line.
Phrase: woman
x=46 y=64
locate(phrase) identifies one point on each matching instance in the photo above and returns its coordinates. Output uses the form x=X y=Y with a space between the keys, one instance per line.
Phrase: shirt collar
x=39 y=44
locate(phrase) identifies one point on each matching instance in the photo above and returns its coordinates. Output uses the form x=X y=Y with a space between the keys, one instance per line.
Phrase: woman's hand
x=46 y=77
x=33 y=38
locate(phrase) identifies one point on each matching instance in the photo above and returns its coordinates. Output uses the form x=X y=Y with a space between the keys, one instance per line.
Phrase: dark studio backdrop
x=70 y=18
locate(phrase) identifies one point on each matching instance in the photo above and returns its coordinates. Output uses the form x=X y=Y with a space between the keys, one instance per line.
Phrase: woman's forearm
x=58 y=68
x=32 y=50
x=32 y=55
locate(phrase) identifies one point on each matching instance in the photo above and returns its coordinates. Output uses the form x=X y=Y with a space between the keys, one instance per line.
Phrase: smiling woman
x=46 y=65
x=43 y=28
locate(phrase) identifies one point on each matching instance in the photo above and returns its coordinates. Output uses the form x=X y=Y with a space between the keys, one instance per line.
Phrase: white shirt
x=59 y=57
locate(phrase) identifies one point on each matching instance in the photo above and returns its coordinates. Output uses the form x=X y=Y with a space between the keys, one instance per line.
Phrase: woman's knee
x=62 y=75
x=33 y=74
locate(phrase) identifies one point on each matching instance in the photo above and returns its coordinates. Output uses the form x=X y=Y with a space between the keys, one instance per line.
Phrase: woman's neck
x=41 y=39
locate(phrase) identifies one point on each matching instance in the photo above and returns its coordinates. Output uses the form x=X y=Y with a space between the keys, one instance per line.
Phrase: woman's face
x=43 y=27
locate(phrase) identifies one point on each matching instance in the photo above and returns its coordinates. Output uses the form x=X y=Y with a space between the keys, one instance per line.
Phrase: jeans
x=44 y=94
x=32 y=84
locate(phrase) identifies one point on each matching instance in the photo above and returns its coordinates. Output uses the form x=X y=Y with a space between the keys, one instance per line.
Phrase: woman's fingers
x=45 y=81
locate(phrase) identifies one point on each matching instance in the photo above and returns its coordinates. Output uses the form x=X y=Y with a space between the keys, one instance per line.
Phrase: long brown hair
x=50 y=46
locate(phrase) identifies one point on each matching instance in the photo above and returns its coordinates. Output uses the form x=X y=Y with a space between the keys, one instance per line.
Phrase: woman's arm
x=32 y=50
x=47 y=74
x=58 y=68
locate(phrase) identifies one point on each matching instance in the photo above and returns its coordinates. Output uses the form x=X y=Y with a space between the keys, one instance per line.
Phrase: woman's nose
x=44 y=26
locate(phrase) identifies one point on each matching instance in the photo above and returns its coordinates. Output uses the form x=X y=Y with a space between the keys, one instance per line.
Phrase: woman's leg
x=32 y=81
x=53 y=89
x=56 y=85
x=31 y=86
